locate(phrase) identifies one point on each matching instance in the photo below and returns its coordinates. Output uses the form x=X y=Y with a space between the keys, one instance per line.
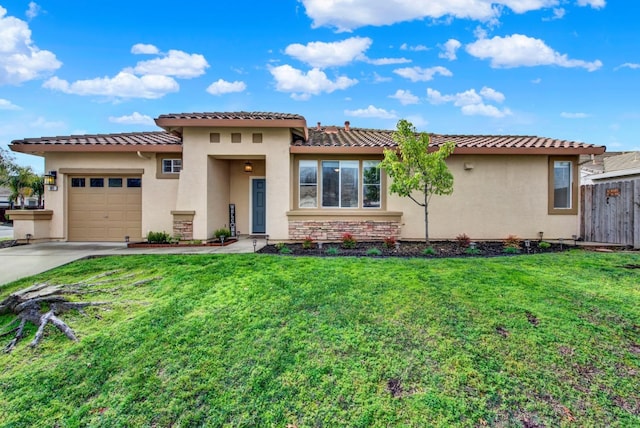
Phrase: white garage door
x=105 y=208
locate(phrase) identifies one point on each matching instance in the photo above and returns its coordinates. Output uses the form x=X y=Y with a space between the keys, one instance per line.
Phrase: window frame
x=300 y=183
x=378 y=184
x=340 y=183
x=573 y=186
x=161 y=158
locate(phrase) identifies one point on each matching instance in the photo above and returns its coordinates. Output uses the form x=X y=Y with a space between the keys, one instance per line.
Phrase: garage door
x=105 y=208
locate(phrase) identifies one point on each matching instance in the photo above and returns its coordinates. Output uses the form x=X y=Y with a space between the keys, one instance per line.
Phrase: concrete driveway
x=6 y=232
x=26 y=260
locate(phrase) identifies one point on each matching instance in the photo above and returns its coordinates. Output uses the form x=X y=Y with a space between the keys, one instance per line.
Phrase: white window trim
x=173 y=169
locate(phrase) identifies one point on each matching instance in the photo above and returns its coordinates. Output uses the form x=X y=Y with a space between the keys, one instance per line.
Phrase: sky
x=565 y=69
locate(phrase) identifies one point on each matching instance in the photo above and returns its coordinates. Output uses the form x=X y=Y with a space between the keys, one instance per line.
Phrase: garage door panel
x=105 y=213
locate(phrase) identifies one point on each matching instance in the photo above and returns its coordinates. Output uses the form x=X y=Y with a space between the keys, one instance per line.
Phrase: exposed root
x=42 y=304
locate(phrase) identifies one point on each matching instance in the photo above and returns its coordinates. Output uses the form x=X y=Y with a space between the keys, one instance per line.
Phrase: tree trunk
x=426 y=218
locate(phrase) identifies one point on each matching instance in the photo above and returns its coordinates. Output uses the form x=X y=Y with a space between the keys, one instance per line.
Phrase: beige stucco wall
x=158 y=195
x=501 y=195
x=225 y=182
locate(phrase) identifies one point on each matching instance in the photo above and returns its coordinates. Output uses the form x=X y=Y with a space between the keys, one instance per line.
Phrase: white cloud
x=8 y=105
x=449 y=49
x=518 y=50
x=373 y=112
x=42 y=123
x=380 y=79
x=322 y=55
x=176 y=63
x=33 y=11
x=302 y=85
x=418 y=74
x=133 y=119
x=405 y=97
x=141 y=48
x=223 y=87
x=596 y=4
x=346 y=15
x=472 y=103
x=123 y=85
x=387 y=61
x=574 y=115
x=630 y=65
x=20 y=59
x=536 y=80
x=558 y=13
x=416 y=48
x=418 y=121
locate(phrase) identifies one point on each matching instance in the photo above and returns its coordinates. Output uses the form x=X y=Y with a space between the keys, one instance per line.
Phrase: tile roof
x=337 y=137
x=129 y=138
x=156 y=138
x=241 y=115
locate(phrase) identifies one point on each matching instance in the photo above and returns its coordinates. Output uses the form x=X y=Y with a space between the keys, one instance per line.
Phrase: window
x=77 y=182
x=115 y=182
x=563 y=191
x=134 y=182
x=236 y=137
x=340 y=184
x=214 y=137
x=370 y=184
x=171 y=166
x=257 y=138
x=308 y=190
x=96 y=182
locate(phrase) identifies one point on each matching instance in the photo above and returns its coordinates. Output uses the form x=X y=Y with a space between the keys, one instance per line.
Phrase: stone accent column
x=183 y=224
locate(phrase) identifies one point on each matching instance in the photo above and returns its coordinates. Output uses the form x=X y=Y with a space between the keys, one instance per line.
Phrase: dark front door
x=259 y=208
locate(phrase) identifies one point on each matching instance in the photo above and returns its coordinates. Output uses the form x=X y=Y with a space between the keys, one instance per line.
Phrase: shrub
x=158 y=238
x=472 y=251
x=219 y=233
x=389 y=242
x=543 y=245
x=284 y=249
x=307 y=242
x=332 y=251
x=429 y=251
x=374 y=252
x=512 y=241
x=511 y=250
x=463 y=240
x=279 y=245
x=348 y=241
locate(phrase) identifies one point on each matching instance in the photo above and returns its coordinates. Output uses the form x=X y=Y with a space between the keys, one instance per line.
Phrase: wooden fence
x=610 y=212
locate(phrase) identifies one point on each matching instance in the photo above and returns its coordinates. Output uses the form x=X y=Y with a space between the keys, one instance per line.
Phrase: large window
x=562 y=186
x=339 y=184
x=308 y=184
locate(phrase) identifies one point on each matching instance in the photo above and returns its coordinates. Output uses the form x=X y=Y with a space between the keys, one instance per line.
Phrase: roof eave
x=168 y=123
x=552 y=151
x=39 y=149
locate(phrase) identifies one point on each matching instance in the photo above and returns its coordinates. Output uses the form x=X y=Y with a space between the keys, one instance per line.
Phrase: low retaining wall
x=332 y=230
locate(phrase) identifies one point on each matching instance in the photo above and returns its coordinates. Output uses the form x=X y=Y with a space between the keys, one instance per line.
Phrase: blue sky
x=566 y=69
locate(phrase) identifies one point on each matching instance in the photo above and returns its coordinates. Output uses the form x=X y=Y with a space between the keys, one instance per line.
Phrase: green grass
x=255 y=340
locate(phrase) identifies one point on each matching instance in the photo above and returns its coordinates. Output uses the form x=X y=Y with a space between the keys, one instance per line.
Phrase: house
x=615 y=167
x=271 y=174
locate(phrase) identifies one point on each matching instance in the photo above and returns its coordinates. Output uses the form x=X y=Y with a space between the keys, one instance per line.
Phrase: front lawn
x=258 y=340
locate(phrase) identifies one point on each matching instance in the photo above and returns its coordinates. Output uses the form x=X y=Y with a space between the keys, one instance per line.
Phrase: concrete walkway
x=26 y=260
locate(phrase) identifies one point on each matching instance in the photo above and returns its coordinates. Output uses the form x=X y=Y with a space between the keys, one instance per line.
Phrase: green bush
x=223 y=231
x=511 y=250
x=348 y=241
x=158 y=238
x=283 y=249
x=307 y=242
x=332 y=251
x=374 y=252
x=472 y=251
x=429 y=251
x=543 y=245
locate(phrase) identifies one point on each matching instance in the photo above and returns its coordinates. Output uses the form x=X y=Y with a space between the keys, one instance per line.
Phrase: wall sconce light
x=28 y=236
x=248 y=167
x=50 y=179
x=540 y=235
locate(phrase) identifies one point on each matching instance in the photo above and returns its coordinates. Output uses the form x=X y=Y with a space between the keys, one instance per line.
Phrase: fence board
x=610 y=212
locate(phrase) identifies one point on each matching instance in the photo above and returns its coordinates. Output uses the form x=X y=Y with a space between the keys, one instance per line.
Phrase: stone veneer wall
x=332 y=230
x=183 y=224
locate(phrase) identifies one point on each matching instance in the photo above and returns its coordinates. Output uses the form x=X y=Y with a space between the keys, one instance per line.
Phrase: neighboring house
x=5 y=193
x=616 y=167
x=287 y=180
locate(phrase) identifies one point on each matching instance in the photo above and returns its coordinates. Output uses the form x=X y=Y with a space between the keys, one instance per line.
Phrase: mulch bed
x=10 y=243
x=411 y=249
x=181 y=244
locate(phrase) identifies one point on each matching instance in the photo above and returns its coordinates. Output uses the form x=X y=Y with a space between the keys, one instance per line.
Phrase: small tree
x=413 y=169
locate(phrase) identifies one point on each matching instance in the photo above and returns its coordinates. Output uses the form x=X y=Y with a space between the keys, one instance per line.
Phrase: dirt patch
x=437 y=249
x=502 y=331
x=533 y=320
x=394 y=386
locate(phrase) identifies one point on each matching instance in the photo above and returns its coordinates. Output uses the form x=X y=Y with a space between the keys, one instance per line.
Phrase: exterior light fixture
x=28 y=236
x=527 y=244
x=561 y=241
x=248 y=167
x=575 y=238
x=126 y=238
x=50 y=179
x=255 y=242
x=540 y=235
x=472 y=245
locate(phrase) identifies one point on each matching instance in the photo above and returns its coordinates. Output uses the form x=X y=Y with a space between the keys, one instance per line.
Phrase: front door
x=259 y=208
